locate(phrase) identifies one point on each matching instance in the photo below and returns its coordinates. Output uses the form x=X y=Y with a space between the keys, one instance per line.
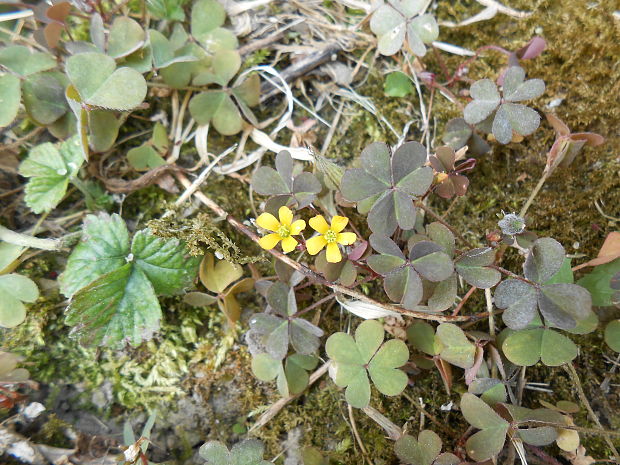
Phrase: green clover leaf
x=354 y=359
x=248 y=452
x=276 y=330
x=292 y=375
x=387 y=184
x=561 y=304
x=397 y=21
x=284 y=185
x=490 y=440
x=100 y=84
x=528 y=346
x=403 y=276
x=15 y=289
x=506 y=115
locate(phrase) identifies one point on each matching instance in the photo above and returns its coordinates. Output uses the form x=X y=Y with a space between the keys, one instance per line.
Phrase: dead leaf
x=608 y=253
x=579 y=457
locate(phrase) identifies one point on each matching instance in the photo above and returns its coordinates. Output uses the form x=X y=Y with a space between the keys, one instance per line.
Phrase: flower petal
x=339 y=223
x=297 y=227
x=333 y=253
x=286 y=215
x=268 y=221
x=269 y=241
x=288 y=244
x=346 y=238
x=315 y=244
x=319 y=224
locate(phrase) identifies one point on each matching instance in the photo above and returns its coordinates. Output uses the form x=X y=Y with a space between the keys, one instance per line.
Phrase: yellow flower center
x=284 y=231
x=330 y=236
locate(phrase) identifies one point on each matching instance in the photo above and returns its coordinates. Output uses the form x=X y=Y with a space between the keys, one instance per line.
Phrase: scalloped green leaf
x=113 y=286
x=50 y=169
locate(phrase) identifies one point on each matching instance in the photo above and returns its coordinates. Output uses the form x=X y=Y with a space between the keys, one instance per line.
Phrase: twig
x=489 y=303
x=203 y=176
x=235 y=223
x=534 y=193
x=357 y=435
x=464 y=300
x=504 y=9
x=302 y=67
x=580 y=429
x=281 y=403
x=570 y=369
x=394 y=431
x=271 y=38
x=513 y=275
x=443 y=426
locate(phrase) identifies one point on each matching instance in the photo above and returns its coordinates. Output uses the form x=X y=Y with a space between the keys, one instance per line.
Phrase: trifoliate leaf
x=509 y=116
x=393 y=22
x=276 y=331
x=100 y=84
x=391 y=183
x=488 y=442
x=50 y=169
x=292 y=376
x=473 y=267
x=113 y=285
x=528 y=346
x=353 y=358
x=218 y=108
x=302 y=188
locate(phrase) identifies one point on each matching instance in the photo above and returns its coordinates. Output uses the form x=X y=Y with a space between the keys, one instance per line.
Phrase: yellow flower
x=282 y=230
x=329 y=236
